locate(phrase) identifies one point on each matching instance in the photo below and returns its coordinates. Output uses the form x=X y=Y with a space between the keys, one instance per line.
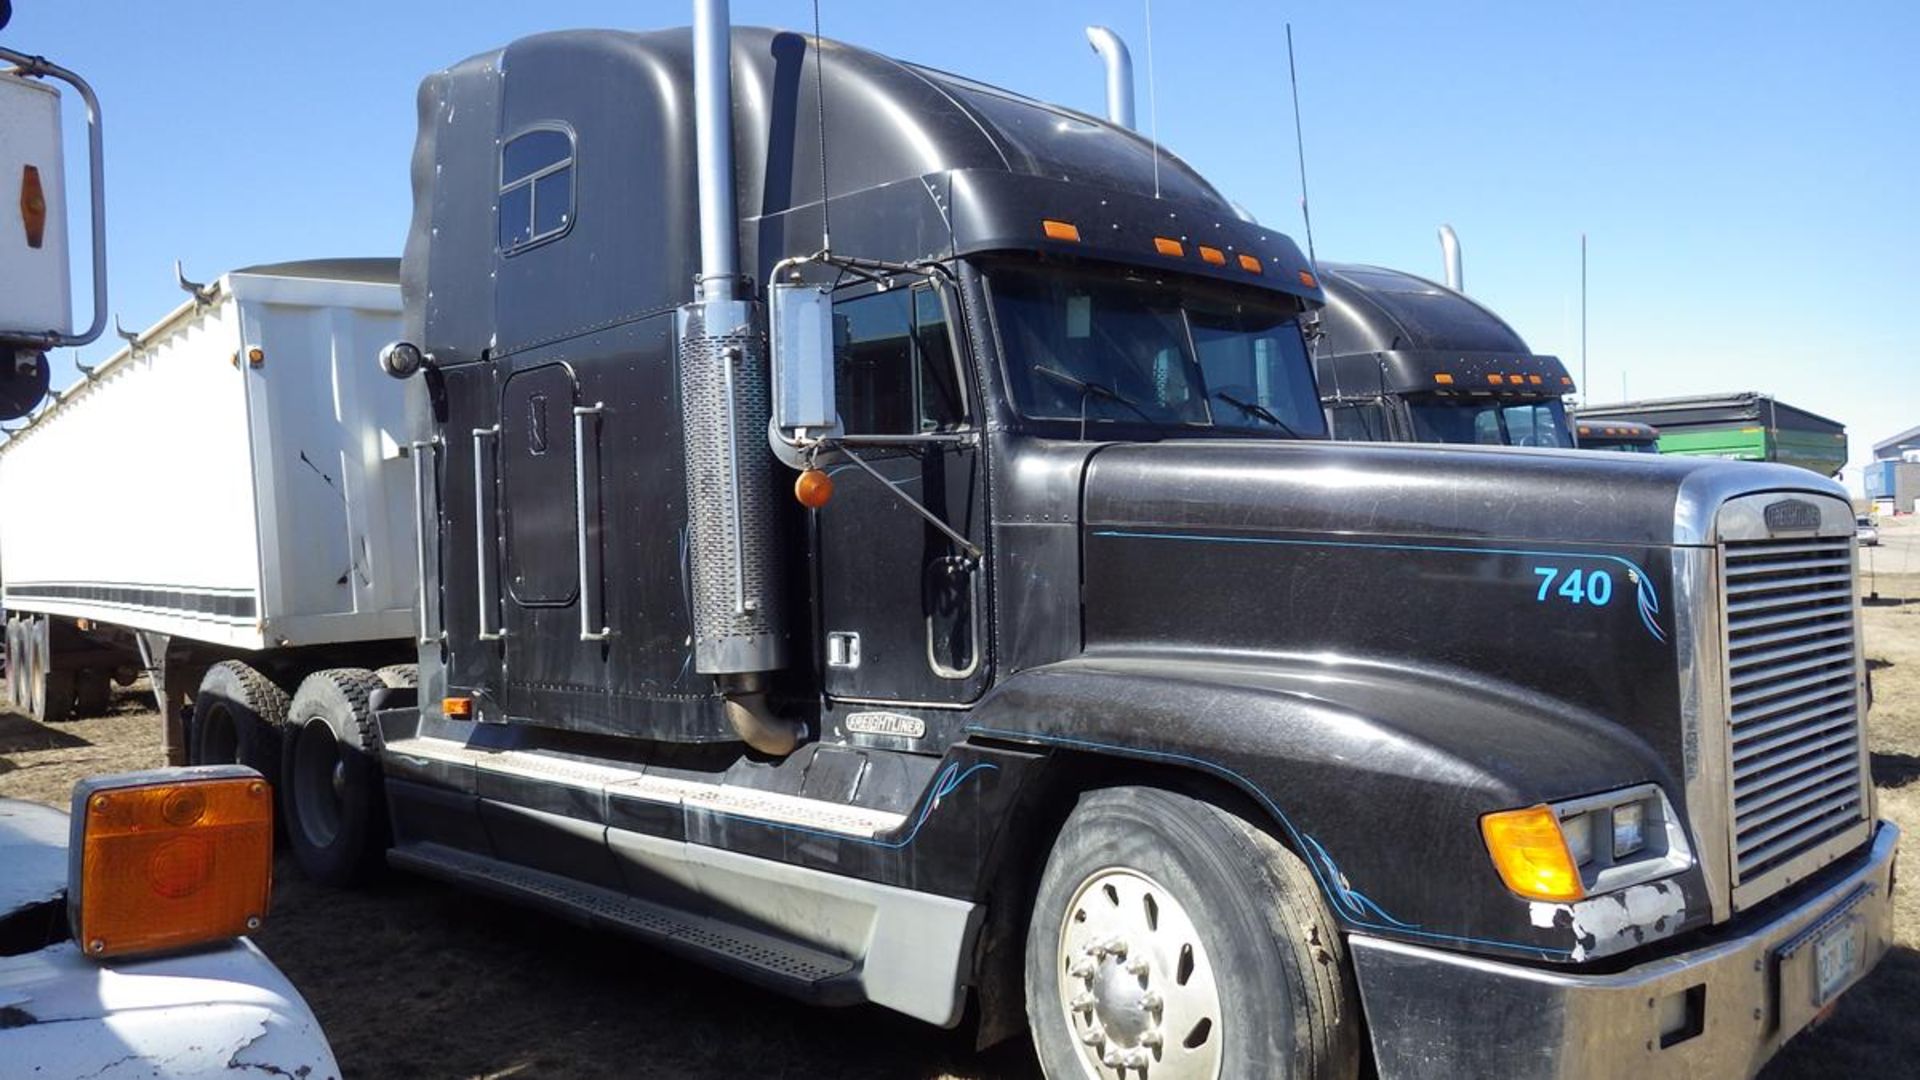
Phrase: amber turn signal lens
x=1531 y=854
x=168 y=865
x=33 y=206
x=457 y=708
x=1061 y=230
x=813 y=488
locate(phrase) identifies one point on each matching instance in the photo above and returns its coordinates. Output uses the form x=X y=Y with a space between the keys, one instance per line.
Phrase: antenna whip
x=1153 y=104
x=820 y=104
x=1300 y=147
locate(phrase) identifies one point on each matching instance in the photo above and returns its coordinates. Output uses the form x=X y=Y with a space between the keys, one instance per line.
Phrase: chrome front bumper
x=1721 y=1009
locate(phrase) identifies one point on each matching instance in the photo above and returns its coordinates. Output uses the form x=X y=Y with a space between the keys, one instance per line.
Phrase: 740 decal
x=1576 y=586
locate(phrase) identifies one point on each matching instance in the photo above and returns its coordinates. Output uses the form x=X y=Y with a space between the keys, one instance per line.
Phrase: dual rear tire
x=238 y=714
x=332 y=799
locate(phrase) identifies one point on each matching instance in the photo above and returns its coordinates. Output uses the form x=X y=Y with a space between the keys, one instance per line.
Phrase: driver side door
x=901 y=605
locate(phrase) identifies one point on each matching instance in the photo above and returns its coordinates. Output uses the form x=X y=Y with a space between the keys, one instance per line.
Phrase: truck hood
x=1433 y=493
x=33 y=856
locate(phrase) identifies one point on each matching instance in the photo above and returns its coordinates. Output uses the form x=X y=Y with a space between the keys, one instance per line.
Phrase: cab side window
x=536 y=188
x=894 y=365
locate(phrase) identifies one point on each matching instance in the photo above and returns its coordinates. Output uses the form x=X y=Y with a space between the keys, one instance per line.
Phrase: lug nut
x=1081 y=1002
x=1135 y=1058
x=1138 y=965
x=1082 y=969
x=1151 y=1001
x=1152 y=1040
x=1093 y=1036
x=1118 y=947
x=1112 y=1059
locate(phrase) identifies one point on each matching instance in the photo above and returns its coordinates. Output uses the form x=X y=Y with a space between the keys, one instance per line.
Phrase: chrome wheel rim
x=1136 y=989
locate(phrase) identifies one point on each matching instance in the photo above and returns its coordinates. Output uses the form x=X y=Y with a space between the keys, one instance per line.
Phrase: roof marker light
x=1168 y=247
x=1443 y=379
x=1061 y=230
x=1250 y=264
x=1307 y=279
x=1534 y=379
x=1494 y=379
x=1212 y=256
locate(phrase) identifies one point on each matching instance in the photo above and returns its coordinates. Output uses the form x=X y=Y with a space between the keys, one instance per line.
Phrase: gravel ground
x=412 y=978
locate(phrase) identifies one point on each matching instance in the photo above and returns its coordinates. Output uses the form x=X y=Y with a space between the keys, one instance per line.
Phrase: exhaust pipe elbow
x=756 y=725
x=1119 y=64
x=1450 y=254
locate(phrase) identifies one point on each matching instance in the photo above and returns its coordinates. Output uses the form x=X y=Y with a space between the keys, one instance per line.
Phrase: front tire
x=331 y=795
x=1172 y=939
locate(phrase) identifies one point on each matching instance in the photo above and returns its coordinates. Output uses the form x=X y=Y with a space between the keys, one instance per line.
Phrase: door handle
x=593 y=622
x=425 y=456
x=487 y=588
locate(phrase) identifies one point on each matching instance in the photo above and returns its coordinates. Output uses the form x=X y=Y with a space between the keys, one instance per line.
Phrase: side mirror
x=800 y=324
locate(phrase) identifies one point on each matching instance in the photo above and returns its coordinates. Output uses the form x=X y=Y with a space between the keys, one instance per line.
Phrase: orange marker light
x=1061 y=230
x=1534 y=379
x=457 y=708
x=1565 y=381
x=1494 y=379
x=813 y=488
x=1531 y=854
x=33 y=205
x=168 y=864
x=1250 y=264
x=1307 y=279
x=256 y=356
x=1168 y=247
x=1443 y=379
x=1212 y=255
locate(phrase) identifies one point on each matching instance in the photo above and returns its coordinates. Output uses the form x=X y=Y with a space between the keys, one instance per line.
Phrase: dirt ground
x=412 y=978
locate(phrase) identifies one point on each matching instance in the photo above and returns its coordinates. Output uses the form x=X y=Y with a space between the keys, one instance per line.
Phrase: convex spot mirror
x=800 y=324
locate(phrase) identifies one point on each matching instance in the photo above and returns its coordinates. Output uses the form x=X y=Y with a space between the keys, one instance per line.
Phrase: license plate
x=1836 y=960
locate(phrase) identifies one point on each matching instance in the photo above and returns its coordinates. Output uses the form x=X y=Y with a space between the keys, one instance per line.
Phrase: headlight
x=1629 y=829
x=1549 y=852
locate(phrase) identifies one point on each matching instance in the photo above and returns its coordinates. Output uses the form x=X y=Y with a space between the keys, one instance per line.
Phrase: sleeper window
x=536 y=188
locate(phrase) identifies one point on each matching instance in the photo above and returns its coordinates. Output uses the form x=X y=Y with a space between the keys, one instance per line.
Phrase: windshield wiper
x=1253 y=408
x=1092 y=389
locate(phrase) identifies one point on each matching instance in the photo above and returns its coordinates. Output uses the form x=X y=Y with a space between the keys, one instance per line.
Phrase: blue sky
x=1746 y=173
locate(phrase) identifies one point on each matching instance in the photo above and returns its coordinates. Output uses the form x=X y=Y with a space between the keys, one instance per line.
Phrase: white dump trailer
x=226 y=503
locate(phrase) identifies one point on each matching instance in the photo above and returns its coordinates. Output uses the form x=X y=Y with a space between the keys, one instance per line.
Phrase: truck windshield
x=1490 y=421
x=1104 y=348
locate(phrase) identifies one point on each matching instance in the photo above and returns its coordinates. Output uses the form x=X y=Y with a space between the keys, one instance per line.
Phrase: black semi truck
x=1403 y=359
x=972 y=609
x=1620 y=436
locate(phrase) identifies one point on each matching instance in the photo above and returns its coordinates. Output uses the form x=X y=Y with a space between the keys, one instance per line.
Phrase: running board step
x=769 y=961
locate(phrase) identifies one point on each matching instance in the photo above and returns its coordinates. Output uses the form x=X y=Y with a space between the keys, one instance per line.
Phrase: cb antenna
x=1153 y=104
x=820 y=106
x=1299 y=146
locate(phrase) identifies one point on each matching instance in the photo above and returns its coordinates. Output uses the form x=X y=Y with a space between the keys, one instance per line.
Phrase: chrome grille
x=1793 y=685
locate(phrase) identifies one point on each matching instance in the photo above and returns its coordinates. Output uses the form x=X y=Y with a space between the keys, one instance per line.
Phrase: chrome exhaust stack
x=1113 y=52
x=1450 y=254
x=734 y=560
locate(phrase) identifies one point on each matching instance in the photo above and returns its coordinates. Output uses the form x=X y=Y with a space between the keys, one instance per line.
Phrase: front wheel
x=1172 y=939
